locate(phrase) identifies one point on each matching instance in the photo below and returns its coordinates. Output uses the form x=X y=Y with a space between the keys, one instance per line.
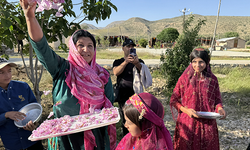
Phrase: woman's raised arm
x=34 y=29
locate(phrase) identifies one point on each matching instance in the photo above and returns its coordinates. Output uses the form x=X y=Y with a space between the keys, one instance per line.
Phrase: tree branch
x=82 y=20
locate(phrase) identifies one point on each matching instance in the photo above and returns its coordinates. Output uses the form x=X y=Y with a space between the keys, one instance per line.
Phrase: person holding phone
x=123 y=69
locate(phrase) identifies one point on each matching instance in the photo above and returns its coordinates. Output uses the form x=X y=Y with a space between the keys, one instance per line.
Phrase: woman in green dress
x=79 y=84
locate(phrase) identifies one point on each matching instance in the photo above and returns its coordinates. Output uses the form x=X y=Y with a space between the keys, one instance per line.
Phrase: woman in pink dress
x=144 y=120
x=196 y=90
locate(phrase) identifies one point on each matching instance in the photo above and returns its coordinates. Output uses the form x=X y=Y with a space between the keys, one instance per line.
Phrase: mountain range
x=141 y=28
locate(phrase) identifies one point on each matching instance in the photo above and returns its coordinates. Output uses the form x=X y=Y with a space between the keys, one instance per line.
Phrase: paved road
x=109 y=62
x=214 y=53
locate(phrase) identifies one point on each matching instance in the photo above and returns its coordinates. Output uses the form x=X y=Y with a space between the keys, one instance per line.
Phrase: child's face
x=198 y=64
x=5 y=76
x=132 y=128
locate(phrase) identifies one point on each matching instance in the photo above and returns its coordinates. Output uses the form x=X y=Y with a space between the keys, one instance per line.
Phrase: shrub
x=143 y=42
x=168 y=34
x=176 y=60
x=231 y=34
x=105 y=43
x=157 y=45
x=248 y=43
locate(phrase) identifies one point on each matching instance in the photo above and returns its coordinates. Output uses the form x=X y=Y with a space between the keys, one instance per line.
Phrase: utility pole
x=149 y=36
x=212 y=45
x=135 y=36
x=121 y=35
x=184 y=11
x=108 y=39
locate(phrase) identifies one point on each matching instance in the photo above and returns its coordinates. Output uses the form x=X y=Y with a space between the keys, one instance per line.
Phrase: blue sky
x=153 y=10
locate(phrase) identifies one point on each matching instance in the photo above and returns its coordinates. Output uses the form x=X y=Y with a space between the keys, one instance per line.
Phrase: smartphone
x=133 y=51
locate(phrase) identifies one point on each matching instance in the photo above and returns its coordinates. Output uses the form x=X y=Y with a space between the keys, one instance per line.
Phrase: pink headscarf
x=87 y=85
x=155 y=135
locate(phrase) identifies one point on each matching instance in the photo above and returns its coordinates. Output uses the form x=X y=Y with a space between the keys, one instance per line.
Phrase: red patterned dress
x=200 y=94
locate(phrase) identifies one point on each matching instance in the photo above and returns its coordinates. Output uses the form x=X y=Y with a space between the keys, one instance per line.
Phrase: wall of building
x=241 y=43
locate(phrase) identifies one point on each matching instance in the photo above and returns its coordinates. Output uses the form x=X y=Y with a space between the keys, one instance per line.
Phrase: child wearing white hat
x=13 y=96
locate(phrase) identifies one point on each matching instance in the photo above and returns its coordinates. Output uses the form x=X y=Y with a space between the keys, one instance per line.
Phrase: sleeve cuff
x=217 y=106
x=2 y=119
x=178 y=106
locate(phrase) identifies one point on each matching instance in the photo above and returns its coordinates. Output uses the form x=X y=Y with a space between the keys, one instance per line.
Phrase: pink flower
x=48 y=5
x=58 y=103
x=58 y=14
x=45 y=92
x=51 y=114
x=61 y=126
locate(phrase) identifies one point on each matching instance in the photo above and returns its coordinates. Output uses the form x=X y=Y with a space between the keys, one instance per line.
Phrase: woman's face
x=198 y=64
x=86 y=49
x=132 y=128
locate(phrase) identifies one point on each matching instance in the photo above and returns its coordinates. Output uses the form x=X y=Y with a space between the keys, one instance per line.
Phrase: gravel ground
x=234 y=131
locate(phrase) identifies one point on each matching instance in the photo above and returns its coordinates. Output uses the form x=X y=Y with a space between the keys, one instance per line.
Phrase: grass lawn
x=236 y=80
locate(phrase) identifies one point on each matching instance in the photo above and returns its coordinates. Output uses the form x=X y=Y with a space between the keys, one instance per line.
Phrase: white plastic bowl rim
x=33 y=114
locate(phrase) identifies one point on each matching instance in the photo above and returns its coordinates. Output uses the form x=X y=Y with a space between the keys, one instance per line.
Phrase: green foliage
x=237 y=80
x=97 y=10
x=157 y=74
x=157 y=45
x=119 y=39
x=175 y=60
x=168 y=35
x=231 y=34
x=247 y=39
x=143 y=42
x=13 y=26
x=248 y=43
x=105 y=43
x=218 y=70
x=5 y=56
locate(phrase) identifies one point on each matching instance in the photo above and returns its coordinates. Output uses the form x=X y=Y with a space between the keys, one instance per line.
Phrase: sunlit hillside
x=139 y=27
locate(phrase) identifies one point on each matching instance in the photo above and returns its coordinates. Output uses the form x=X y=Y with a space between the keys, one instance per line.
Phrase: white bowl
x=209 y=115
x=33 y=112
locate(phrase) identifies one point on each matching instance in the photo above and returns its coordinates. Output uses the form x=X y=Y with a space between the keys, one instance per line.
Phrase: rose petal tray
x=72 y=129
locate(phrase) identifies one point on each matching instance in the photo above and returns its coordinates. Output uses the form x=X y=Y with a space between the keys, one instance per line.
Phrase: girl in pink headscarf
x=144 y=120
x=196 y=90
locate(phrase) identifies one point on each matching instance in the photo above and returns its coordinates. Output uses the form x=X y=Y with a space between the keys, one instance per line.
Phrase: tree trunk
x=32 y=73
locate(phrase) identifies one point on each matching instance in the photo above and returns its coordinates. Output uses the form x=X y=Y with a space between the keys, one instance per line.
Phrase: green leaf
x=6 y=14
x=112 y=5
x=17 y=19
x=11 y=28
x=6 y=23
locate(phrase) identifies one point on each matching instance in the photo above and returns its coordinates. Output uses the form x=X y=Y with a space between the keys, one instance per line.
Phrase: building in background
x=229 y=43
